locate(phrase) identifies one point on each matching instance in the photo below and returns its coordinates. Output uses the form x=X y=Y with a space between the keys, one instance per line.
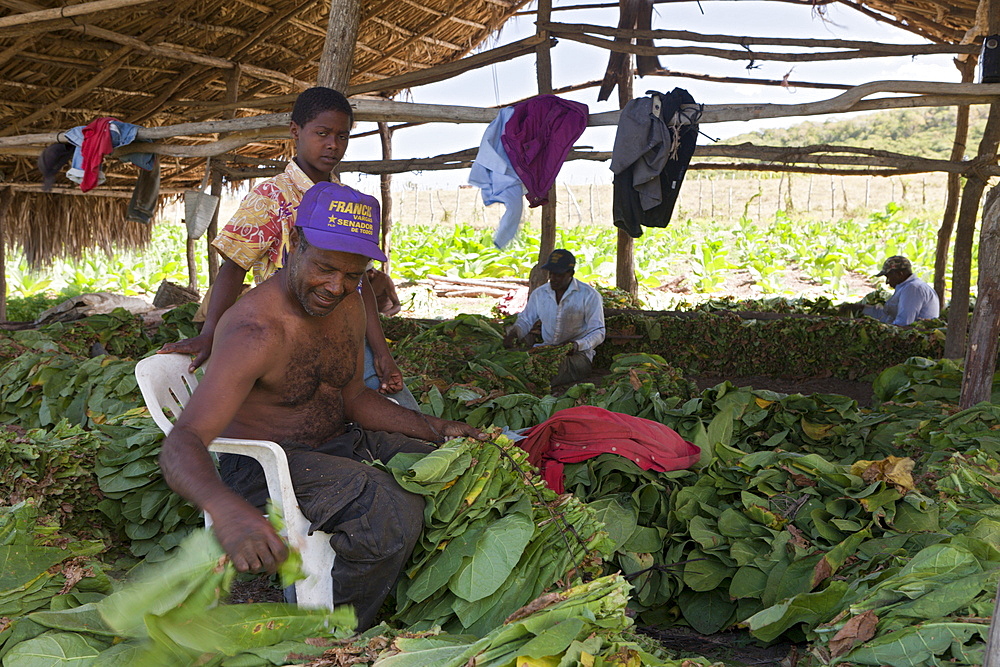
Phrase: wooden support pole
x=547 y=241
x=213 y=228
x=984 y=334
x=625 y=254
x=5 y=197
x=965 y=231
x=385 y=184
x=337 y=61
x=954 y=187
x=192 y=263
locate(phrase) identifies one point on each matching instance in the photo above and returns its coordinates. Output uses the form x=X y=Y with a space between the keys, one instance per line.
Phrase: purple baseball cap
x=337 y=217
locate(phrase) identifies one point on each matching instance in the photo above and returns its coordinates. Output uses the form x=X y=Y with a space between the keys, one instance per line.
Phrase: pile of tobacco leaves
x=870 y=536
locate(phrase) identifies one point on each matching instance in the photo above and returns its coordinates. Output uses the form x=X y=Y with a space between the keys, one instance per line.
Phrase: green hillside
x=926 y=132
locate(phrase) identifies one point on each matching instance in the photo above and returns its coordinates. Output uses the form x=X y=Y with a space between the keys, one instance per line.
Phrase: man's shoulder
x=586 y=288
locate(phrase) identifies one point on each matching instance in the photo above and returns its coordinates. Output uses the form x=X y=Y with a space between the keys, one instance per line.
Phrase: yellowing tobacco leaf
x=893 y=469
x=816 y=431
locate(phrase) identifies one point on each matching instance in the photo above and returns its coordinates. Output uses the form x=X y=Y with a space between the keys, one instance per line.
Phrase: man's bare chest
x=316 y=371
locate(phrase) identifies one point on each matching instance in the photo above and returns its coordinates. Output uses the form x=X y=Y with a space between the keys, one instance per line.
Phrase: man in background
x=569 y=312
x=912 y=298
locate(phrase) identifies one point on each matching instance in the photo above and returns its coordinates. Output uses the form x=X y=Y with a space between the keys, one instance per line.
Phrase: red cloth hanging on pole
x=96 y=144
x=577 y=434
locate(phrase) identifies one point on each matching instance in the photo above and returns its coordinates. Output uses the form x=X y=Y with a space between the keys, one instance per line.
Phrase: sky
x=576 y=63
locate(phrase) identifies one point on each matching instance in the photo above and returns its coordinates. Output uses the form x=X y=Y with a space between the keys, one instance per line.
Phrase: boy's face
x=321 y=143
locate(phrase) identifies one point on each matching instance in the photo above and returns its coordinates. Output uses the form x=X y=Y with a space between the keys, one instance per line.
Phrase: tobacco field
x=862 y=536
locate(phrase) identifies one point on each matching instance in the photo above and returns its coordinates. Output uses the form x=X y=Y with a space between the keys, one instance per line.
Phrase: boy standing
x=256 y=237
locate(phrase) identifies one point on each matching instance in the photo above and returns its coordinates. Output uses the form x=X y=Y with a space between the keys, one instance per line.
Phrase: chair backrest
x=166 y=385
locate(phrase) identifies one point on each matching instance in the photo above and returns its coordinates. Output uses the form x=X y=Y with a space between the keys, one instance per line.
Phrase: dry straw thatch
x=163 y=63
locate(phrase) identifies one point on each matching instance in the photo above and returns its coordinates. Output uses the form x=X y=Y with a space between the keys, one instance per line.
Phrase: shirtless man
x=273 y=377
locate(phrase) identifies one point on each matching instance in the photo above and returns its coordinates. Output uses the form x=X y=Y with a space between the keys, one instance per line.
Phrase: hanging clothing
x=584 y=432
x=101 y=136
x=145 y=194
x=538 y=137
x=494 y=175
x=51 y=161
x=653 y=146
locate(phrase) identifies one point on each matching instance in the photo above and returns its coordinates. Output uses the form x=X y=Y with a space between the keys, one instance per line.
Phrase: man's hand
x=574 y=348
x=850 y=308
x=451 y=429
x=510 y=338
x=249 y=539
x=389 y=374
x=200 y=346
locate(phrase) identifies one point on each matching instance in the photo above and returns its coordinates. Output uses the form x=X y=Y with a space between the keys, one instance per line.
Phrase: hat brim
x=343 y=243
x=557 y=269
x=880 y=274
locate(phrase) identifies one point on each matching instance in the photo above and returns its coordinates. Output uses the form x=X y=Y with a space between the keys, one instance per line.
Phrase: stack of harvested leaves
x=56 y=469
x=42 y=569
x=495 y=537
x=135 y=496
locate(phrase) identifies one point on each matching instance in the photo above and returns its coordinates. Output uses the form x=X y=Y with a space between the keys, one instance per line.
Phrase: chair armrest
x=272 y=459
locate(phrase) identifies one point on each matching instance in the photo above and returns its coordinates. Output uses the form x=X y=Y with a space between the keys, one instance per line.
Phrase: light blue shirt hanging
x=493 y=173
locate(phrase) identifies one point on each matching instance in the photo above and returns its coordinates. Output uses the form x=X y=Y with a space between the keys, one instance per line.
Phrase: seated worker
x=258 y=233
x=385 y=291
x=569 y=311
x=287 y=366
x=912 y=298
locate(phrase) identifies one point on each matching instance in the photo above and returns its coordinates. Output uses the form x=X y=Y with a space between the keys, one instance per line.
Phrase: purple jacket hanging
x=538 y=137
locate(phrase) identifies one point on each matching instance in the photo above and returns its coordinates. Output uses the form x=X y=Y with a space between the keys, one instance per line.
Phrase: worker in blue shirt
x=912 y=299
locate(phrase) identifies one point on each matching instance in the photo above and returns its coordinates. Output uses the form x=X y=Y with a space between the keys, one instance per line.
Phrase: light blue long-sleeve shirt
x=578 y=317
x=912 y=300
x=494 y=174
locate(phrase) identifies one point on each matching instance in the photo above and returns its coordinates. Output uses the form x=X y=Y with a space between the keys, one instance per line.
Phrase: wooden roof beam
x=421 y=37
x=112 y=66
x=69 y=11
x=685 y=35
x=170 y=52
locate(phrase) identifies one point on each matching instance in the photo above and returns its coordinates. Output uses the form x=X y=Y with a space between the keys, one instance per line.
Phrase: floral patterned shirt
x=257 y=234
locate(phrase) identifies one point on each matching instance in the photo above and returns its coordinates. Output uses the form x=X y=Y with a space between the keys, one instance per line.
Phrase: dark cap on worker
x=893 y=263
x=337 y=217
x=560 y=261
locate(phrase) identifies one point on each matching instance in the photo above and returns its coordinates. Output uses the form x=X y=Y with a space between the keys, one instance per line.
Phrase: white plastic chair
x=166 y=385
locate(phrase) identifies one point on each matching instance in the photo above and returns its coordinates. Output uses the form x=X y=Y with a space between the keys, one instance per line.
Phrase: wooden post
x=385 y=184
x=984 y=334
x=213 y=228
x=5 y=198
x=965 y=229
x=192 y=263
x=543 y=65
x=625 y=265
x=991 y=655
x=337 y=61
x=958 y=310
x=967 y=68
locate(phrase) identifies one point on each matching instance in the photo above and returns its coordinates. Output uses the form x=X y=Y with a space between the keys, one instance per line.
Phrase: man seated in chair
x=287 y=366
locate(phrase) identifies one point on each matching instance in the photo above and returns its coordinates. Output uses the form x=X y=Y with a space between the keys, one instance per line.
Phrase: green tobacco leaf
x=56 y=649
x=230 y=629
x=707 y=612
x=85 y=618
x=619 y=520
x=915 y=646
x=163 y=586
x=809 y=608
x=497 y=552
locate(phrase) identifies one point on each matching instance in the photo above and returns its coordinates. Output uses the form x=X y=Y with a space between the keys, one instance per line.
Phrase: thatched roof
x=162 y=63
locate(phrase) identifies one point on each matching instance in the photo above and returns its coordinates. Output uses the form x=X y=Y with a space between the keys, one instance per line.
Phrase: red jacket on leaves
x=577 y=434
